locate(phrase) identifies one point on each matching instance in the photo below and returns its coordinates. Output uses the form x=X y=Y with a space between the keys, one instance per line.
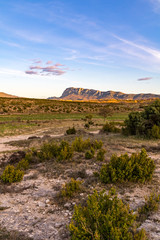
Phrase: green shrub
x=146 y=123
x=80 y=145
x=31 y=155
x=137 y=168
x=69 y=189
x=48 y=151
x=97 y=144
x=89 y=153
x=110 y=127
x=100 y=155
x=10 y=175
x=104 y=217
x=155 y=132
x=86 y=125
x=65 y=152
x=23 y=164
x=71 y=131
x=151 y=205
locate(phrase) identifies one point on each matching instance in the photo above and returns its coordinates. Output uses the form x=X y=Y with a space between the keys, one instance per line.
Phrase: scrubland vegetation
x=145 y=123
x=100 y=171
x=20 y=115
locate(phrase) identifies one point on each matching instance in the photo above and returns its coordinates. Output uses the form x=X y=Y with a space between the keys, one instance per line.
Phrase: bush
x=100 y=155
x=90 y=153
x=69 y=189
x=97 y=144
x=80 y=145
x=151 y=205
x=137 y=168
x=71 y=131
x=110 y=127
x=86 y=125
x=146 y=123
x=65 y=152
x=155 y=132
x=23 y=164
x=52 y=150
x=88 y=120
x=104 y=217
x=10 y=175
x=48 y=151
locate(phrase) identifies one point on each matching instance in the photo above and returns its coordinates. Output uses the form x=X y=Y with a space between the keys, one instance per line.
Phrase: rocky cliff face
x=89 y=94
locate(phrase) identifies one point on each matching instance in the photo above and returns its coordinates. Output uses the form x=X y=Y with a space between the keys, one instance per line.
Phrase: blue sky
x=47 y=46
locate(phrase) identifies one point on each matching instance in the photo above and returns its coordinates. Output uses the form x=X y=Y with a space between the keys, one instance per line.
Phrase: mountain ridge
x=72 y=93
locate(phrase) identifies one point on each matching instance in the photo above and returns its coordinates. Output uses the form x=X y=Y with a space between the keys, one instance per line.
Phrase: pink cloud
x=55 y=69
x=35 y=67
x=49 y=62
x=31 y=72
x=59 y=65
x=144 y=79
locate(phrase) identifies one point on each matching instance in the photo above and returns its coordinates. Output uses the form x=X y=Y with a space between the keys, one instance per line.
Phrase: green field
x=25 y=123
x=45 y=116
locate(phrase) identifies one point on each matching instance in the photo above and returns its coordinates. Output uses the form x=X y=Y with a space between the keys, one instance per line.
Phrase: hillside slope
x=2 y=94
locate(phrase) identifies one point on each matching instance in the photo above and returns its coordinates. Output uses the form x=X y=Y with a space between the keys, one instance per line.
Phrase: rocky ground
x=34 y=206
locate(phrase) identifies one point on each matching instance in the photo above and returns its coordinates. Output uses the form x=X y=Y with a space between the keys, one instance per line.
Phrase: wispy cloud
x=144 y=79
x=37 y=61
x=155 y=53
x=30 y=36
x=155 y=4
x=55 y=69
x=13 y=72
x=11 y=44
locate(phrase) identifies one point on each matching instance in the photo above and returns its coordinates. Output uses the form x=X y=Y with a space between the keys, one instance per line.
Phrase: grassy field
x=24 y=123
x=20 y=116
x=48 y=116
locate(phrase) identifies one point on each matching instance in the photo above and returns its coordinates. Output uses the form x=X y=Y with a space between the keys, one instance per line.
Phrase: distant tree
x=105 y=112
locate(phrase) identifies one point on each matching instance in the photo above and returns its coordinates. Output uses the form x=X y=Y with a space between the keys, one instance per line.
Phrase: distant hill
x=5 y=95
x=90 y=94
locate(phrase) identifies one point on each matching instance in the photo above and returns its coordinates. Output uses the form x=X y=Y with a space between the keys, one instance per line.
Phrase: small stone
x=47 y=201
x=58 y=225
x=67 y=205
x=41 y=204
x=89 y=172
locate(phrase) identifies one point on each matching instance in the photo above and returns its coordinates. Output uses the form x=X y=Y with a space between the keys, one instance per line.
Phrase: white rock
x=41 y=204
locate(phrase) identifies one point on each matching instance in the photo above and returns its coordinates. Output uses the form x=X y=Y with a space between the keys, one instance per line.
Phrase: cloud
x=31 y=72
x=144 y=79
x=156 y=5
x=38 y=61
x=49 y=62
x=11 y=44
x=55 y=69
x=35 y=67
x=155 y=53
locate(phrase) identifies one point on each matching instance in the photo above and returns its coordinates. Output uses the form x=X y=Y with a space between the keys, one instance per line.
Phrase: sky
x=47 y=46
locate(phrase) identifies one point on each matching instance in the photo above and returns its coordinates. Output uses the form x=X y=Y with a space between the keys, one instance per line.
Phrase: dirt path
x=4 y=141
